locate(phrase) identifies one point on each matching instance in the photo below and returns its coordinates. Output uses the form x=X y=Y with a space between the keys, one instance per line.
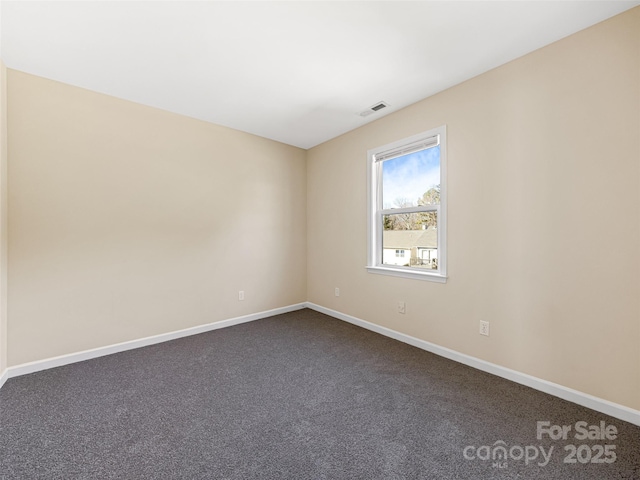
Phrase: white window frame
x=375 y=212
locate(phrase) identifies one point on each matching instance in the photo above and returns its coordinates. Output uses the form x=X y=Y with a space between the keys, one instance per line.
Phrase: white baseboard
x=584 y=399
x=598 y=404
x=39 y=365
x=4 y=376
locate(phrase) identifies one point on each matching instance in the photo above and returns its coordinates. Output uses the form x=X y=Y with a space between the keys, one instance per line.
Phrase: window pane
x=412 y=179
x=410 y=240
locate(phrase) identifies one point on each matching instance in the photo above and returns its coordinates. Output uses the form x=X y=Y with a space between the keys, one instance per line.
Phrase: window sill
x=406 y=273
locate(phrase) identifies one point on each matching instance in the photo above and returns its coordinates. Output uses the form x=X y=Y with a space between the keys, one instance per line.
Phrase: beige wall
x=3 y=217
x=544 y=216
x=126 y=221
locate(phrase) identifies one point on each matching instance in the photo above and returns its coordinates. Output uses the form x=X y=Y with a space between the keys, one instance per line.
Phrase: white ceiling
x=296 y=72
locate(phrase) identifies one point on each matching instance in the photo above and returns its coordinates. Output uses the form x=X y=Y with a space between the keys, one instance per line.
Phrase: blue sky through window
x=410 y=176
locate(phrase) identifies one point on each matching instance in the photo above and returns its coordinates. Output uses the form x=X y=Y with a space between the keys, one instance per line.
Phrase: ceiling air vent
x=373 y=109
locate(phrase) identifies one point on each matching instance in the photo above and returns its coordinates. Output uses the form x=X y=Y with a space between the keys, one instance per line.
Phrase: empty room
x=319 y=239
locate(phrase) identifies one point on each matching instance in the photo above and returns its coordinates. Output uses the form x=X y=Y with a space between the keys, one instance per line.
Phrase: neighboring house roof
x=407 y=239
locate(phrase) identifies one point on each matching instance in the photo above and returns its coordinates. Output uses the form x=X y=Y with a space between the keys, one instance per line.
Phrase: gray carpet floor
x=296 y=396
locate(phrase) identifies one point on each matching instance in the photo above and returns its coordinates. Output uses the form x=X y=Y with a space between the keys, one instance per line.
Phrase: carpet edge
x=45 y=364
x=598 y=404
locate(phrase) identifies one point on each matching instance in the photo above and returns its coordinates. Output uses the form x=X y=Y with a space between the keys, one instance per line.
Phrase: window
x=407 y=207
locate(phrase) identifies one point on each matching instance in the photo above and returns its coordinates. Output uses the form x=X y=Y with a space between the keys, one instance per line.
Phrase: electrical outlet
x=401 y=307
x=337 y=292
x=241 y=295
x=484 y=328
